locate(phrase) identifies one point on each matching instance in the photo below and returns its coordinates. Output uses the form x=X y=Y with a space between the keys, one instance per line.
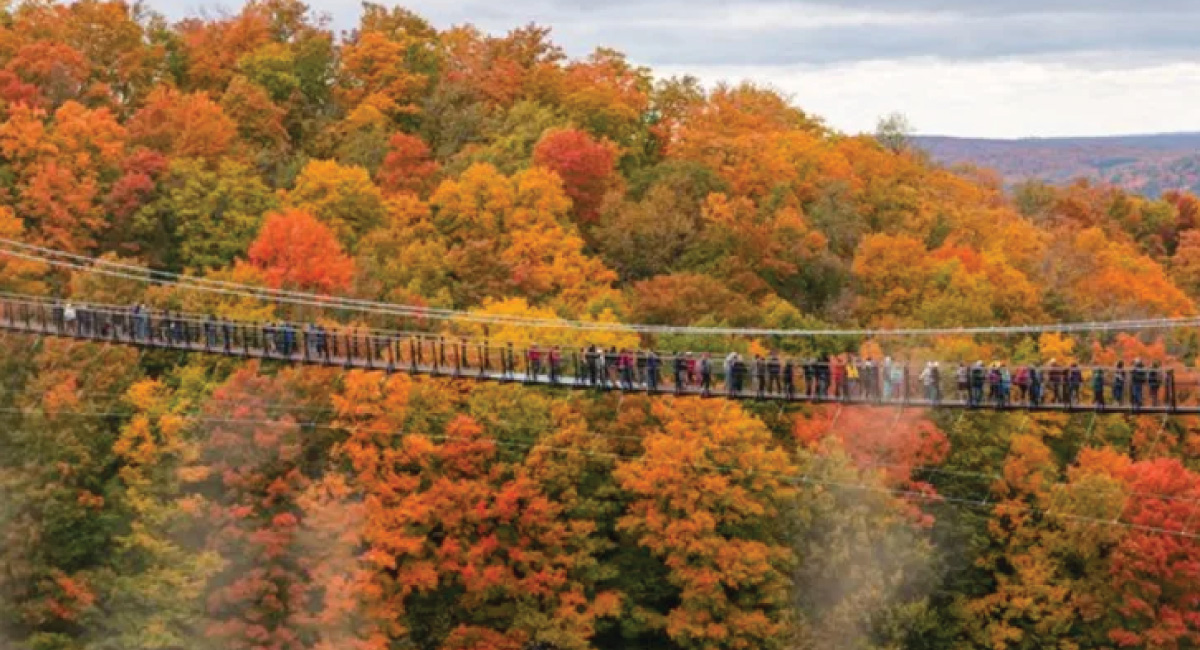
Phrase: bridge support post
x=458 y=357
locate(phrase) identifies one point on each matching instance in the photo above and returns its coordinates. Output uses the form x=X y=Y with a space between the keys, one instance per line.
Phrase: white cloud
x=979 y=68
x=987 y=98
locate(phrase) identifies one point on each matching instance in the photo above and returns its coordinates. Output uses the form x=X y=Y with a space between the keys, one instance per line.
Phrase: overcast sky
x=997 y=68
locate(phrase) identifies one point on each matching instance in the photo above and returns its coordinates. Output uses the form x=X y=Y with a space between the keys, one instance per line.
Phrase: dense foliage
x=158 y=501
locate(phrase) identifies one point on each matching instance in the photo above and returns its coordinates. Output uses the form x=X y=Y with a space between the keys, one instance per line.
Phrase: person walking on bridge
x=591 y=358
x=848 y=387
x=652 y=365
x=927 y=381
x=1154 y=380
x=1098 y=387
x=210 y=332
x=810 y=377
x=739 y=374
x=1054 y=377
x=1022 y=383
x=555 y=364
x=1005 y=384
x=1074 y=384
x=760 y=376
x=824 y=377
x=837 y=373
x=774 y=385
x=679 y=368
x=534 y=361
x=1036 y=386
x=978 y=376
x=789 y=378
x=625 y=363
x=993 y=383
x=706 y=374
x=1138 y=384
x=1118 y=383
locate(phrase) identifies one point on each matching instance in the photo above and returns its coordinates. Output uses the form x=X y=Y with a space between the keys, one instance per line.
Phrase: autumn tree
x=183 y=125
x=342 y=197
x=707 y=493
x=408 y=165
x=203 y=218
x=584 y=164
x=294 y=250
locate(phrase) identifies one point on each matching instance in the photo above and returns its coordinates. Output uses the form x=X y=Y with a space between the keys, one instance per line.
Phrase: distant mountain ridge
x=1148 y=164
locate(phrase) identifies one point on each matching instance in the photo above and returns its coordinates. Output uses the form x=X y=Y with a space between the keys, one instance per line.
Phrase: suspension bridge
x=901 y=384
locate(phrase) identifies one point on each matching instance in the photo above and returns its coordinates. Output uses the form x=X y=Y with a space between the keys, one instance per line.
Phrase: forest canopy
x=157 y=501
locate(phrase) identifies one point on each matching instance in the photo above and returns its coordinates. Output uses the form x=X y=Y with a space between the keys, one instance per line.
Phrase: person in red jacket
x=535 y=361
x=555 y=363
x=837 y=374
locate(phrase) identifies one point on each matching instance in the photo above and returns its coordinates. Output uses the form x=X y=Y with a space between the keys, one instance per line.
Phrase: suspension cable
x=143 y=274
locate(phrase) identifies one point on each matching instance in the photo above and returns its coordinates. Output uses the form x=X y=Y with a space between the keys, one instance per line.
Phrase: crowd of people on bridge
x=843 y=377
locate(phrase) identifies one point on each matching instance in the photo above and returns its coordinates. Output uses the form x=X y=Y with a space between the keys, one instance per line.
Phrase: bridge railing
x=885 y=383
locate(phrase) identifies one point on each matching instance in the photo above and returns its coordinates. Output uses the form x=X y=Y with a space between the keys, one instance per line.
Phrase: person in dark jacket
x=289 y=339
x=774 y=367
x=1137 y=386
x=993 y=383
x=823 y=377
x=978 y=376
x=1098 y=387
x=1036 y=386
x=1154 y=380
x=555 y=363
x=268 y=337
x=680 y=368
x=739 y=374
x=1118 y=383
x=210 y=332
x=1074 y=384
x=789 y=378
x=1054 y=378
x=592 y=359
x=226 y=334
x=810 y=377
x=706 y=369
x=652 y=365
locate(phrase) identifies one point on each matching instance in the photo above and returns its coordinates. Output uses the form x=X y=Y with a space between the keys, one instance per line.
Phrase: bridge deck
x=245 y=342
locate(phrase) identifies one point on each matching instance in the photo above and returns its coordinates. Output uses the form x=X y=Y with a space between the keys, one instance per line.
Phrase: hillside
x=1146 y=164
x=451 y=182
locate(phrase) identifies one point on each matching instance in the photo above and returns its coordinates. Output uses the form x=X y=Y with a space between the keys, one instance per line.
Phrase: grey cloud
x=707 y=32
x=967 y=39
x=780 y=32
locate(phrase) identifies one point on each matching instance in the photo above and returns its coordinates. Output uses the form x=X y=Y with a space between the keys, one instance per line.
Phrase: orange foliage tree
x=706 y=494
x=294 y=250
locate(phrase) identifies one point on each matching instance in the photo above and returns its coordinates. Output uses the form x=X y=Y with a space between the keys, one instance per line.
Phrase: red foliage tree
x=1157 y=575
x=408 y=166
x=585 y=165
